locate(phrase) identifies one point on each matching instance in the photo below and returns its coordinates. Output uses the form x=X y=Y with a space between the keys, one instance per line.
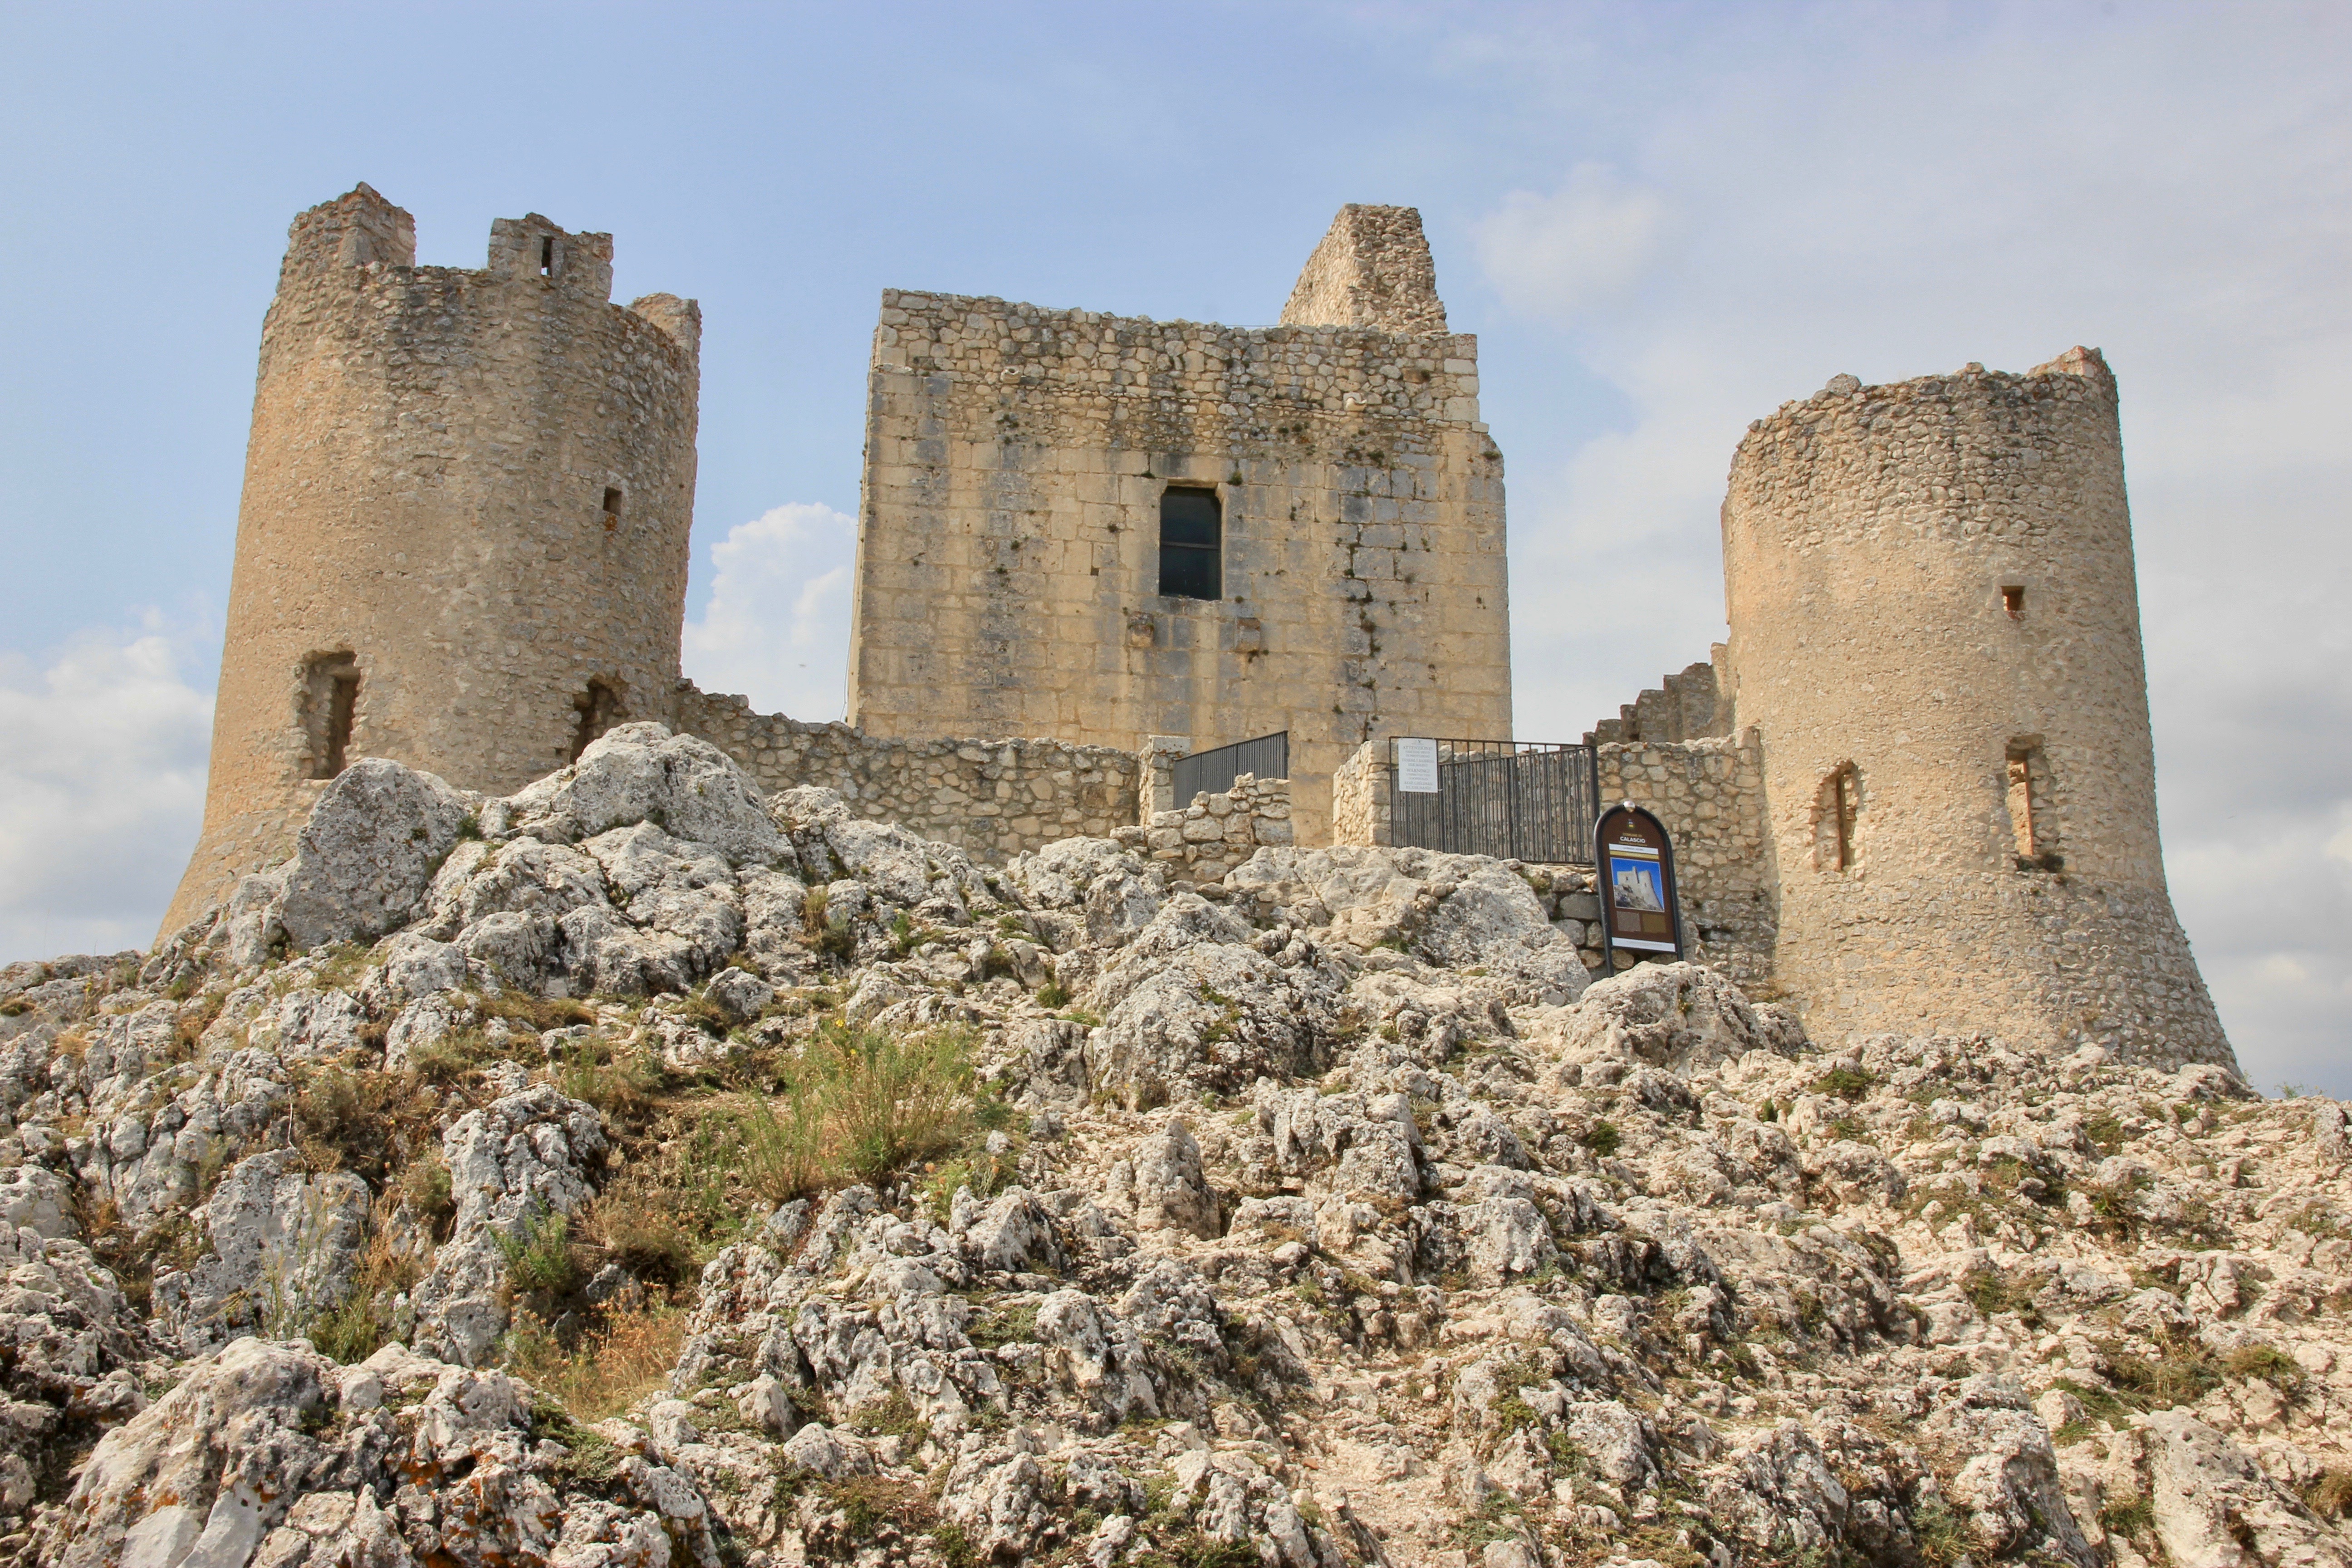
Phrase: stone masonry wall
x=1360 y=797
x=995 y=799
x=1008 y=561
x=1211 y=834
x=1709 y=793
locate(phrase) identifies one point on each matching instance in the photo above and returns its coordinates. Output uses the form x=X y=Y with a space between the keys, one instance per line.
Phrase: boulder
x=285 y=1246
x=363 y=860
x=641 y=772
x=1677 y=1017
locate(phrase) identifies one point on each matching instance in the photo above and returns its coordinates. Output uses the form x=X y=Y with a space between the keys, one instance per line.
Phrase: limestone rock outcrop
x=1323 y=1213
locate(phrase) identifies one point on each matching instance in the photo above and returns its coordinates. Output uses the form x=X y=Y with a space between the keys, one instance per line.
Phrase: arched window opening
x=1191 y=545
x=330 y=703
x=599 y=709
x=2033 y=822
x=1836 y=806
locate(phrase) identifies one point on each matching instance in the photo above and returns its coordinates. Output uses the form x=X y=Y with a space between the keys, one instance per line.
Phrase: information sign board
x=1638 y=911
x=1416 y=765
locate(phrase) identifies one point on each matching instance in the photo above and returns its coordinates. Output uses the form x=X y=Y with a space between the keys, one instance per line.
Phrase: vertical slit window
x=1191 y=545
x=1835 y=811
x=612 y=506
x=547 y=255
x=2012 y=599
x=2030 y=818
x=330 y=703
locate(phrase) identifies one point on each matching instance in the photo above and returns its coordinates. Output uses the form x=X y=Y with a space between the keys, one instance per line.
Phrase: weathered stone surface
x=641 y=774
x=367 y=852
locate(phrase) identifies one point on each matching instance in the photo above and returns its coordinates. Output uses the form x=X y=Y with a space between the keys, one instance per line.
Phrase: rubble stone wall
x=1211 y=834
x=1008 y=564
x=472 y=486
x=1709 y=793
x=991 y=798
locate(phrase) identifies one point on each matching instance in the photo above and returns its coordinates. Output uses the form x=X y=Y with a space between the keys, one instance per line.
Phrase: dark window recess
x=1836 y=808
x=2013 y=601
x=1191 y=546
x=547 y=255
x=599 y=708
x=330 y=703
x=612 y=506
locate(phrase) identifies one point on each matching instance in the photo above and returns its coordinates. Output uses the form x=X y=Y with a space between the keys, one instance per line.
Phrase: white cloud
x=1894 y=193
x=776 y=628
x=1587 y=244
x=102 y=787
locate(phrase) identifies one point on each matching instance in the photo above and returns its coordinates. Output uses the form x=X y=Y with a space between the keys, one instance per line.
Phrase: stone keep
x=462 y=543
x=1009 y=535
x=1934 y=630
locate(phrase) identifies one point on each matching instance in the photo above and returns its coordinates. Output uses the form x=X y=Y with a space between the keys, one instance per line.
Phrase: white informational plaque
x=1416 y=765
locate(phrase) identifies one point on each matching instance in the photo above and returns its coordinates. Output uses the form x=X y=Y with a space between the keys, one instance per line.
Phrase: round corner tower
x=1934 y=630
x=463 y=537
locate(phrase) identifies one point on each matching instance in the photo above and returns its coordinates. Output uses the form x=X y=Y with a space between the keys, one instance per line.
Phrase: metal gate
x=1213 y=773
x=1516 y=800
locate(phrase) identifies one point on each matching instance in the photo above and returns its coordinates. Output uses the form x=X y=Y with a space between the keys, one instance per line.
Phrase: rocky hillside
x=636 y=1171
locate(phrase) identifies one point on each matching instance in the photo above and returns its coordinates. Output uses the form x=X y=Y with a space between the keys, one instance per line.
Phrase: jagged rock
x=367 y=852
x=411 y=966
x=39 y=1201
x=2010 y=1484
x=1114 y=889
x=1169 y=1190
x=1678 y=1016
x=522 y=1161
x=742 y=994
x=1187 y=1009
x=641 y=774
x=2214 y=1508
x=285 y=1244
x=272 y=1454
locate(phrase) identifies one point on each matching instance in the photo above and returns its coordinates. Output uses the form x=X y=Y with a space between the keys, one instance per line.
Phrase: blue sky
x=1663 y=221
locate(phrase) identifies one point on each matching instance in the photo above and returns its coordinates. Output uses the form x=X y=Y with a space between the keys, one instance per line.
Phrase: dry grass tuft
x=609 y=1369
x=861 y=1104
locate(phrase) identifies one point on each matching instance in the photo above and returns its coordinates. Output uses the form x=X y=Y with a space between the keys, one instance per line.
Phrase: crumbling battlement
x=1155 y=382
x=1681 y=707
x=1372 y=269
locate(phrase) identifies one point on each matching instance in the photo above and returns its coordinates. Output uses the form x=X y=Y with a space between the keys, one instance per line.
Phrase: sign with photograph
x=1638 y=910
x=1416 y=765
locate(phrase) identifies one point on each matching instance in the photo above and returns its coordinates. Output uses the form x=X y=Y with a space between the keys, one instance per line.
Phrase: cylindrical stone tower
x=463 y=540
x=1934 y=629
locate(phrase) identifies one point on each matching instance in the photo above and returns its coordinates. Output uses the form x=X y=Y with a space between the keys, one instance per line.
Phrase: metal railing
x=1516 y=800
x=1215 y=771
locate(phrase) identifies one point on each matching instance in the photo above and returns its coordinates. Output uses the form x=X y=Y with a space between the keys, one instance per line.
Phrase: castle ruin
x=1914 y=789
x=1102 y=527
